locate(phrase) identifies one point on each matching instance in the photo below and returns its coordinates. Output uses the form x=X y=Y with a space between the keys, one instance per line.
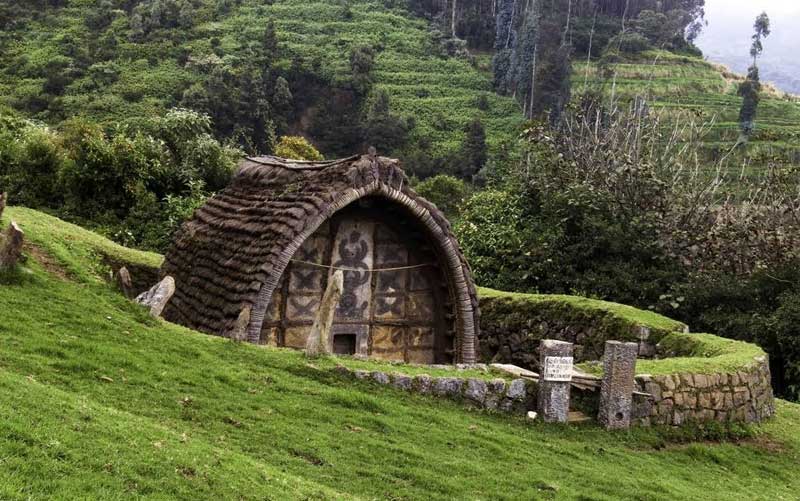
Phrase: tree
x=474 y=150
x=751 y=87
x=382 y=129
x=761 y=27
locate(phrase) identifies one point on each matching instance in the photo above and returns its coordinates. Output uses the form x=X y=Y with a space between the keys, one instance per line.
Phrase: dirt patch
x=48 y=262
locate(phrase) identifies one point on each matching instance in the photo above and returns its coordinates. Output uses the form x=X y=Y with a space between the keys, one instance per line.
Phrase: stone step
x=578 y=417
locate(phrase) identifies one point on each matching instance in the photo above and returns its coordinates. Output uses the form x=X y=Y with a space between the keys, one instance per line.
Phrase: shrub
x=446 y=192
x=629 y=43
x=297 y=148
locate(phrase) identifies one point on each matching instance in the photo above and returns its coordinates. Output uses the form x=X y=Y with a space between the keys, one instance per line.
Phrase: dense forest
x=535 y=124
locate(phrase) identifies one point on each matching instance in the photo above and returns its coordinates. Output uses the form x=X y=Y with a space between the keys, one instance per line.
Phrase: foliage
x=298 y=148
x=128 y=182
x=614 y=205
x=448 y=193
x=750 y=88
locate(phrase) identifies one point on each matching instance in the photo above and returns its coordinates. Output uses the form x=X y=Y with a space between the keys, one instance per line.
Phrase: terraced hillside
x=440 y=92
x=685 y=87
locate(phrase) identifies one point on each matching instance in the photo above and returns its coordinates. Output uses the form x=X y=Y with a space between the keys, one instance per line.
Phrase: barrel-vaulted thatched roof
x=235 y=249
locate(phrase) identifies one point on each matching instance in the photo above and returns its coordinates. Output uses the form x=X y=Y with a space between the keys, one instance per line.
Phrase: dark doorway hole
x=344 y=344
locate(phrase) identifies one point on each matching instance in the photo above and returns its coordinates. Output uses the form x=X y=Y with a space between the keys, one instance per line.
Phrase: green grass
x=701 y=354
x=79 y=251
x=407 y=369
x=101 y=402
x=682 y=87
x=628 y=314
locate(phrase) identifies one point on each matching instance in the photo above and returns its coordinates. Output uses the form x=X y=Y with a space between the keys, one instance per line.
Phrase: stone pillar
x=616 y=392
x=555 y=361
x=124 y=283
x=11 y=246
x=319 y=340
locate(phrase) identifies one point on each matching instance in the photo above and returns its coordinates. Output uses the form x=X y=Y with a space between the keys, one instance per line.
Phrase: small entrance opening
x=344 y=344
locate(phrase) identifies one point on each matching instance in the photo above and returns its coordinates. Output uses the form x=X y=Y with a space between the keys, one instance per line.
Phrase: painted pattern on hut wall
x=388 y=309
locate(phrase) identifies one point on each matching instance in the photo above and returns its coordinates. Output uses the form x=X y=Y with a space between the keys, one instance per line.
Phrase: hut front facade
x=258 y=257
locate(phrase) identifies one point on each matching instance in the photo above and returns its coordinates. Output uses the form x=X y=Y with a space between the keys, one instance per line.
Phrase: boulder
x=158 y=296
x=476 y=390
x=402 y=382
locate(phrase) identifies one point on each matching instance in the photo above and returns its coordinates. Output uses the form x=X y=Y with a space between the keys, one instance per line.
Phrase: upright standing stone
x=3 y=198
x=616 y=392
x=158 y=296
x=318 y=339
x=124 y=283
x=554 y=381
x=239 y=332
x=11 y=246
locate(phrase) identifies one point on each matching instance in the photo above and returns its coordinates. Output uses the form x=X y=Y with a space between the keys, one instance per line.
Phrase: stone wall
x=513 y=325
x=516 y=396
x=743 y=396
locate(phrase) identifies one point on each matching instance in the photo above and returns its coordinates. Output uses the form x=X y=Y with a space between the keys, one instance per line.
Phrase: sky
x=726 y=39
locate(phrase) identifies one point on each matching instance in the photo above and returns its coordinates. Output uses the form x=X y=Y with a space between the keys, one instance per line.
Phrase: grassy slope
x=685 y=87
x=100 y=401
x=320 y=29
x=632 y=315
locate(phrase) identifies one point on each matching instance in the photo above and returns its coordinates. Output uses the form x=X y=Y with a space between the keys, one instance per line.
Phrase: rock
x=517 y=390
x=380 y=377
x=123 y=280
x=532 y=415
x=616 y=392
x=158 y=296
x=554 y=392
x=447 y=386
x=361 y=374
x=239 y=332
x=319 y=337
x=3 y=198
x=402 y=382
x=423 y=384
x=11 y=246
x=476 y=390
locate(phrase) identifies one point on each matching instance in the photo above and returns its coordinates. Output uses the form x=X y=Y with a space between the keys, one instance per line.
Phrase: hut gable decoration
x=273 y=238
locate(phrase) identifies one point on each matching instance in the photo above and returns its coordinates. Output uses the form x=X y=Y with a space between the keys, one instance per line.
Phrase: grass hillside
x=690 y=88
x=100 y=401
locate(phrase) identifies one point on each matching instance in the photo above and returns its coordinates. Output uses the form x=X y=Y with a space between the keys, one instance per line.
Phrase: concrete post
x=616 y=392
x=554 y=382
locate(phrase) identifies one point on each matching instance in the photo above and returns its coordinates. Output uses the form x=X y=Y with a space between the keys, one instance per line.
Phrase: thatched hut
x=261 y=251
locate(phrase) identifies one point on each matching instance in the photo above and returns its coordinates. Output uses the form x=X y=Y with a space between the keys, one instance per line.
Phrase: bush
x=628 y=43
x=127 y=183
x=297 y=148
x=31 y=156
x=446 y=192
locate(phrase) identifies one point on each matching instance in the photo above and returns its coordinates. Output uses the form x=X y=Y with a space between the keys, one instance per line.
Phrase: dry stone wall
x=743 y=396
x=516 y=396
x=512 y=328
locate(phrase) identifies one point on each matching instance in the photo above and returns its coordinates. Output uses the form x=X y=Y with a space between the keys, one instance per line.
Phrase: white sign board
x=557 y=369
